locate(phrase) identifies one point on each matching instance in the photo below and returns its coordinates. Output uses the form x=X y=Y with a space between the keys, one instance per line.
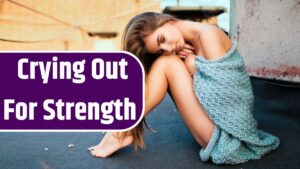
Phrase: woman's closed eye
x=161 y=39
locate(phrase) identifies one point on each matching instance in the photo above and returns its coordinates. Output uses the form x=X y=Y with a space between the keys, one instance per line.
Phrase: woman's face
x=166 y=39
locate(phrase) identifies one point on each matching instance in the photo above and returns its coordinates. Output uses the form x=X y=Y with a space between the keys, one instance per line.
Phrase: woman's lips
x=176 y=48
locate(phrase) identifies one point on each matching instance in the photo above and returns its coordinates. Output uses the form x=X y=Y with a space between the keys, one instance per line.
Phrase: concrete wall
x=268 y=32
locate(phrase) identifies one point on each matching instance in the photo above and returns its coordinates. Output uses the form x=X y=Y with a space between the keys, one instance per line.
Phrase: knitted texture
x=223 y=88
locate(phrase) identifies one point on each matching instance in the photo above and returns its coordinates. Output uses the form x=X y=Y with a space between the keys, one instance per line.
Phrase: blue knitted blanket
x=224 y=90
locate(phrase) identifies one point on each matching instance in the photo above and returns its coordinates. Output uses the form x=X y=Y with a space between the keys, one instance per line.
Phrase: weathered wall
x=268 y=32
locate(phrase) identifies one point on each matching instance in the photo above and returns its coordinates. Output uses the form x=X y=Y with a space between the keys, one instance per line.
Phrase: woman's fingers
x=182 y=53
x=182 y=56
x=185 y=52
x=188 y=51
x=187 y=46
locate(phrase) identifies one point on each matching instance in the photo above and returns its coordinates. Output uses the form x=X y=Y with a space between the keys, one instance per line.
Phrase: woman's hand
x=186 y=51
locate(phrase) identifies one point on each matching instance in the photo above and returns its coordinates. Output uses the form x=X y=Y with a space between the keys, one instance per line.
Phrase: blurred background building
x=82 y=24
x=67 y=24
x=268 y=40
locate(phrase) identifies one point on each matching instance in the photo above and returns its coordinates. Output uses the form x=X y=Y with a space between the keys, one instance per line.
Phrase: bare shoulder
x=215 y=43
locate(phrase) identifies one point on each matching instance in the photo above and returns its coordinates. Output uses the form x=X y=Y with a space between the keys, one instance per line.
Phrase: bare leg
x=181 y=87
x=155 y=91
x=168 y=70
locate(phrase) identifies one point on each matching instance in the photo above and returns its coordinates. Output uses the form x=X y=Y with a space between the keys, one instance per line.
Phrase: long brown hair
x=136 y=30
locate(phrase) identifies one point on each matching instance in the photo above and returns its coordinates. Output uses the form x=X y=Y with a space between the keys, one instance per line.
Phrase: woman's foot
x=93 y=147
x=99 y=144
x=110 y=144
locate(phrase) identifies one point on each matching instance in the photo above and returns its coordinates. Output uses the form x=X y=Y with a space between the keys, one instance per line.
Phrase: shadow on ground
x=277 y=109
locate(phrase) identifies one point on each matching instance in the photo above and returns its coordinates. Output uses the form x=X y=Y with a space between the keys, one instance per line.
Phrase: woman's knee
x=167 y=61
x=171 y=61
x=171 y=66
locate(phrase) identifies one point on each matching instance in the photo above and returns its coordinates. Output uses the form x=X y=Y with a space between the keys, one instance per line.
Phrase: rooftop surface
x=277 y=110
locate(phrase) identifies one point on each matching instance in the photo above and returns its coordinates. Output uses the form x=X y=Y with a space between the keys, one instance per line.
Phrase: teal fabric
x=224 y=90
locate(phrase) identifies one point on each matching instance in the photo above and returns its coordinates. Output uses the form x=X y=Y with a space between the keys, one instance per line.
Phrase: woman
x=215 y=102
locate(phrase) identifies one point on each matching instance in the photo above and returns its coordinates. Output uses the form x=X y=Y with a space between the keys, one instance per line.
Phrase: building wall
x=268 y=32
x=37 y=32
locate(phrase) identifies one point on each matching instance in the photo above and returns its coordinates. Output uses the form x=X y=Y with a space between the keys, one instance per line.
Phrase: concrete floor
x=277 y=109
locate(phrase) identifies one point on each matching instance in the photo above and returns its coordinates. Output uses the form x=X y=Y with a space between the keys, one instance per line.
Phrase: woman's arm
x=190 y=62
